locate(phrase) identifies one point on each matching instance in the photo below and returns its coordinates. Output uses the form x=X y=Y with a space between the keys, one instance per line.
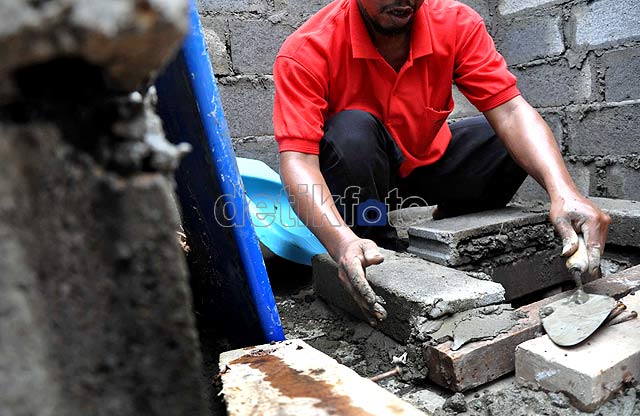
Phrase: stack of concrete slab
x=515 y=247
x=292 y=378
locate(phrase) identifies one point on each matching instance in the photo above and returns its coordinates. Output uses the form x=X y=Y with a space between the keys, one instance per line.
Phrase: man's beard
x=381 y=29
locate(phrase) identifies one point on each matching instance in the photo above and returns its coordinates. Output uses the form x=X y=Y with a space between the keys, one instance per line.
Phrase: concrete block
x=530 y=190
x=530 y=273
x=513 y=6
x=555 y=84
x=624 y=229
x=462 y=107
x=215 y=36
x=480 y=362
x=295 y=12
x=590 y=373
x=411 y=287
x=622 y=182
x=451 y=241
x=248 y=105
x=606 y=22
x=264 y=148
x=605 y=131
x=554 y=121
x=524 y=40
x=621 y=69
x=581 y=174
x=231 y=6
x=254 y=45
x=291 y=378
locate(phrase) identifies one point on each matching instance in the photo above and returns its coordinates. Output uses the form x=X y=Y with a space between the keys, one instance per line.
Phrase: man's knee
x=352 y=131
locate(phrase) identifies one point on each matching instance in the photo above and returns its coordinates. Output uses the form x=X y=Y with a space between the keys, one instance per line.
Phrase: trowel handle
x=580 y=259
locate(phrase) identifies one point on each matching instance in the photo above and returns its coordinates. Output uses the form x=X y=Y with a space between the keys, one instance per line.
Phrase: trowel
x=571 y=320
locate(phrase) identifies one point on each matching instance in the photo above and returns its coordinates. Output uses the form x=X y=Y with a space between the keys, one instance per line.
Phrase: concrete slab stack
x=515 y=247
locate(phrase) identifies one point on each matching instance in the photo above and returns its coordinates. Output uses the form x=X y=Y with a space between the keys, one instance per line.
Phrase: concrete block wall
x=577 y=62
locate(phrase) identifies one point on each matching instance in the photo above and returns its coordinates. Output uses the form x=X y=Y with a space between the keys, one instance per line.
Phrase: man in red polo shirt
x=363 y=91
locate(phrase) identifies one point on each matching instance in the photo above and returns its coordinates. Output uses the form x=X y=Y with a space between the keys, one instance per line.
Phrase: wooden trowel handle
x=579 y=260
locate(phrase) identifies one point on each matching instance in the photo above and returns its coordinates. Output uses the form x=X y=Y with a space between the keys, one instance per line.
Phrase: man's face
x=389 y=17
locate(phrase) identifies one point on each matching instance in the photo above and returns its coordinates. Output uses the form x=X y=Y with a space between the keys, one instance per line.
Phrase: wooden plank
x=480 y=362
x=291 y=378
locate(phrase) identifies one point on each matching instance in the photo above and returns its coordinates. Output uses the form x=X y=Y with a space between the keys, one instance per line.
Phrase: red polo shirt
x=330 y=64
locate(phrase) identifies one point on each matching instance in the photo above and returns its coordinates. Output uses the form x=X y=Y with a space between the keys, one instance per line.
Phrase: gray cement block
x=232 y=6
x=621 y=69
x=524 y=40
x=248 y=104
x=468 y=238
x=254 y=45
x=514 y=6
x=606 y=22
x=624 y=229
x=295 y=12
x=622 y=182
x=531 y=273
x=413 y=289
x=590 y=373
x=264 y=148
x=530 y=190
x=462 y=107
x=214 y=31
x=554 y=84
x=554 y=121
x=605 y=131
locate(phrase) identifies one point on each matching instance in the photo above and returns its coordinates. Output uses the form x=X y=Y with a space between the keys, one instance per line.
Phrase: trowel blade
x=569 y=323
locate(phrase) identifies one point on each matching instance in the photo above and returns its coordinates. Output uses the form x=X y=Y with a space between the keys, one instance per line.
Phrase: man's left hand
x=572 y=214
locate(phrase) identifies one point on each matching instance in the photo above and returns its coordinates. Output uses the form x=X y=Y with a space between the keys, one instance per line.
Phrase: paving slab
x=292 y=378
x=450 y=241
x=624 y=229
x=591 y=372
x=412 y=288
x=480 y=362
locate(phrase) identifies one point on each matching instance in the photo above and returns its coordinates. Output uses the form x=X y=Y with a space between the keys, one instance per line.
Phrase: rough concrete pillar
x=95 y=307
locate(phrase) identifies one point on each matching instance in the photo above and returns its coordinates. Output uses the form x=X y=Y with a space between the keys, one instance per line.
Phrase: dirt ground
x=369 y=352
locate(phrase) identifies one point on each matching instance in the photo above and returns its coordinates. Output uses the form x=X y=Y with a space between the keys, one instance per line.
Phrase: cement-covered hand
x=353 y=259
x=574 y=214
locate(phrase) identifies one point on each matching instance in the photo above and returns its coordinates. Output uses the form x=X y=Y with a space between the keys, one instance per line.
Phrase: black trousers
x=359 y=161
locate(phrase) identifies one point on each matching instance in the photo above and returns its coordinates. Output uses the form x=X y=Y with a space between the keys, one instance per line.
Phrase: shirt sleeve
x=480 y=72
x=300 y=107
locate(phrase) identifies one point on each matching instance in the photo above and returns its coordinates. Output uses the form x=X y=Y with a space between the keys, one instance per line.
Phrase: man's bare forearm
x=312 y=200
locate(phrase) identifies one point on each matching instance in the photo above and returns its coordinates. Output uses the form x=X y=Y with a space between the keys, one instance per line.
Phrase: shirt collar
x=363 y=46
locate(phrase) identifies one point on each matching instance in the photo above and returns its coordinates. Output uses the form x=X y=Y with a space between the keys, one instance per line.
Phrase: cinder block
x=248 y=104
x=411 y=287
x=462 y=107
x=591 y=372
x=621 y=69
x=524 y=40
x=264 y=148
x=530 y=273
x=215 y=37
x=556 y=84
x=530 y=190
x=296 y=12
x=232 y=6
x=291 y=378
x=624 y=229
x=605 y=131
x=467 y=238
x=622 y=182
x=513 y=6
x=554 y=121
x=254 y=45
x=606 y=22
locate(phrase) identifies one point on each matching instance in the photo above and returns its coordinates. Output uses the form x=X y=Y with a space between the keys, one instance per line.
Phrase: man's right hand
x=354 y=257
